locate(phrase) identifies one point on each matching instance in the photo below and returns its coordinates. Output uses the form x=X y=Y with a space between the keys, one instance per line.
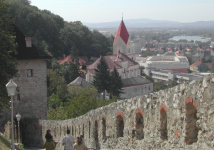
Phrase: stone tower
x=121 y=41
x=31 y=97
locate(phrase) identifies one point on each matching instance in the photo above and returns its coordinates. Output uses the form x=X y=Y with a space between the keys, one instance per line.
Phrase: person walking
x=79 y=144
x=68 y=141
x=49 y=143
x=83 y=141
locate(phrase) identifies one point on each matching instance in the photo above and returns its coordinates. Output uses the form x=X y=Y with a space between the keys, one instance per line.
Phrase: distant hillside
x=145 y=23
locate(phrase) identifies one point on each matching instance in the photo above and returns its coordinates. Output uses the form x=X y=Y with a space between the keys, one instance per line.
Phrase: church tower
x=121 y=41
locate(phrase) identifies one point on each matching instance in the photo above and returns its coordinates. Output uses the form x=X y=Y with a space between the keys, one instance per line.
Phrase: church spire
x=122 y=32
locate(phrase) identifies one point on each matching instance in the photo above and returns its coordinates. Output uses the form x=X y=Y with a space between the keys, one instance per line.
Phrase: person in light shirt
x=79 y=144
x=68 y=141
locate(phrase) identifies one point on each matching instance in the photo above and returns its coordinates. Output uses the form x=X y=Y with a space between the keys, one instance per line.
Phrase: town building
x=169 y=60
x=199 y=66
x=198 y=56
x=168 y=75
x=127 y=68
x=83 y=61
x=31 y=98
x=80 y=82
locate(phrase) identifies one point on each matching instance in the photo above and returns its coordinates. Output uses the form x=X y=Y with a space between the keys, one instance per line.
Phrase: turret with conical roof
x=121 y=41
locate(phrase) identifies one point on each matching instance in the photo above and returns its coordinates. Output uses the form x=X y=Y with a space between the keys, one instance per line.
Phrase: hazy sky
x=95 y=11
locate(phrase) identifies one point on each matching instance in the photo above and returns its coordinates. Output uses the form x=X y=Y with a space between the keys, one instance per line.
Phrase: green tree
x=116 y=84
x=55 y=84
x=7 y=46
x=102 y=77
x=73 y=69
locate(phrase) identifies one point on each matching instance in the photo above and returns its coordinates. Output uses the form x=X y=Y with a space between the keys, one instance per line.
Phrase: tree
x=116 y=84
x=55 y=82
x=102 y=77
x=73 y=69
x=7 y=46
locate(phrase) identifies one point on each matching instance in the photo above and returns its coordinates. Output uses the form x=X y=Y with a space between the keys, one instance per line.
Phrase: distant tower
x=121 y=41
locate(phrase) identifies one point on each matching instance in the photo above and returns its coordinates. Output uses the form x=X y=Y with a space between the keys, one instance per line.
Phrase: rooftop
x=122 y=32
x=135 y=81
x=112 y=61
x=79 y=81
x=27 y=52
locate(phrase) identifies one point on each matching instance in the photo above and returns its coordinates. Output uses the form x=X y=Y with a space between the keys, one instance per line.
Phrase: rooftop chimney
x=28 y=42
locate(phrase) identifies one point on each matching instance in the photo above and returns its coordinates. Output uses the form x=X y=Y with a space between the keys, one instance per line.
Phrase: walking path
x=32 y=148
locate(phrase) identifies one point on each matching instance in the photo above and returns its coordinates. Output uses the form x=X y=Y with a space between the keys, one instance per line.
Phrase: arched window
x=96 y=135
x=191 y=119
x=79 y=129
x=60 y=130
x=75 y=131
x=104 y=127
x=96 y=131
x=139 y=124
x=120 y=124
x=163 y=121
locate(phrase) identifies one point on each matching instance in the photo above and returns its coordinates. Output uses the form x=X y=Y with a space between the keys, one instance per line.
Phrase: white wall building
x=165 y=62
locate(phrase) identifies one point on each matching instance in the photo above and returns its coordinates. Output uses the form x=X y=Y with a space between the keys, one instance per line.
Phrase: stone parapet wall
x=178 y=118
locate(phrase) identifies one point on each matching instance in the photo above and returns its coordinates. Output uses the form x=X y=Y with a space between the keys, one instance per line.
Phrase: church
x=128 y=69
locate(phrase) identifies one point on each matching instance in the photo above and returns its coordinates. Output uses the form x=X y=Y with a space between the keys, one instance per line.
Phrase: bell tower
x=121 y=41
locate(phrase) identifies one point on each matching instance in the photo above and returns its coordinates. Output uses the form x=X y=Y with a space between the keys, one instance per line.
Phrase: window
x=30 y=73
x=18 y=97
x=120 y=126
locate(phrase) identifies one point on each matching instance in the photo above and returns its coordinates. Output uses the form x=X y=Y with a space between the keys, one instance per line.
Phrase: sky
x=96 y=11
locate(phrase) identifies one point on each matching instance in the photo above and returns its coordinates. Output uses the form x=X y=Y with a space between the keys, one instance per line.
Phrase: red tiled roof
x=82 y=60
x=178 y=70
x=112 y=60
x=122 y=32
x=197 y=63
x=208 y=64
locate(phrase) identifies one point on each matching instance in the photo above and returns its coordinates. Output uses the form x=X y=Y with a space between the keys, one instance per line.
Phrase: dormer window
x=29 y=72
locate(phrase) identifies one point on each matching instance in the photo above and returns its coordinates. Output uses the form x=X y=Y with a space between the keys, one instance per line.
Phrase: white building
x=165 y=62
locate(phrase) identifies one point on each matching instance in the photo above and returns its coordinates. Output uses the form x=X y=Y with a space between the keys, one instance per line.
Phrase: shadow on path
x=32 y=148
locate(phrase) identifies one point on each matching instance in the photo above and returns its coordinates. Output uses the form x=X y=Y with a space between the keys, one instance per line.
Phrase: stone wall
x=178 y=118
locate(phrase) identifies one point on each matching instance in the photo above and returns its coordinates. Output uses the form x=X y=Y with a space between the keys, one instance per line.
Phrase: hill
x=145 y=23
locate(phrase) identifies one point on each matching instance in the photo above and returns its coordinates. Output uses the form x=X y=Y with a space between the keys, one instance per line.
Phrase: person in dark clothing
x=50 y=144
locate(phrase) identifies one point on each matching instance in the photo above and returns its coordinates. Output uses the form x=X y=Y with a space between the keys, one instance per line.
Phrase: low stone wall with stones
x=178 y=118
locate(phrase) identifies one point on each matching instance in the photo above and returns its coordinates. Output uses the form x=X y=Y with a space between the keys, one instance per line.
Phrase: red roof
x=112 y=61
x=197 y=63
x=178 y=70
x=208 y=64
x=82 y=60
x=122 y=32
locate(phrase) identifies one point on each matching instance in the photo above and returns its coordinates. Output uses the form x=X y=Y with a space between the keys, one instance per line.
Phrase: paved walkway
x=32 y=148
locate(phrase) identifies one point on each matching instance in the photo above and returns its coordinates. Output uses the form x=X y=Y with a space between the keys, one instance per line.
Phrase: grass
x=5 y=145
